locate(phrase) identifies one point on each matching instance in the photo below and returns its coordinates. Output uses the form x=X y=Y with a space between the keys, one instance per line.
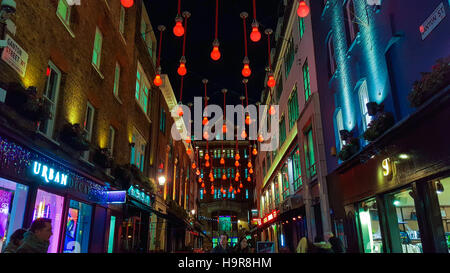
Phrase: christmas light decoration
x=215 y=53
x=178 y=29
x=127 y=3
x=255 y=36
x=158 y=81
x=303 y=9
x=246 y=71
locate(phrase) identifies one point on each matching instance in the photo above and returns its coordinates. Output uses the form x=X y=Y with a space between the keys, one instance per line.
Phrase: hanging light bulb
x=239 y=190
x=272 y=110
x=157 y=81
x=271 y=81
x=203 y=185
x=188 y=140
x=250 y=171
x=205 y=135
x=234 y=192
x=207 y=164
x=236 y=163
x=255 y=36
x=197 y=172
x=238 y=174
x=249 y=179
x=231 y=189
x=247 y=119
x=224 y=177
x=204 y=191
x=249 y=164
x=180 y=111
x=224 y=128
x=194 y=165
x=211 y=179
x=244 y=134
x=178 y=29
x=215 y=53
x=246 y=71
x=200 y=180
x=188 y=151
x=303 y=9
x=236 y=179
x=205 y=121
x=127 y=3
x=182 y=68
x=222 y=161
x=260 y=138
x=237 y=157
x=241 y=186
x=254 y=152
x=212 y=192
x=206 y=156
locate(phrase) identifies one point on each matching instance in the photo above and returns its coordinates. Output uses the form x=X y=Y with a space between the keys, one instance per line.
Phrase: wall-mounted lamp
x=439 y=187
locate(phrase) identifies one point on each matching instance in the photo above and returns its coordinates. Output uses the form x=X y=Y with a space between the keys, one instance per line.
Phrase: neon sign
x=139 y=195
x=386 y=164
x=49 y=175
x=269 y=217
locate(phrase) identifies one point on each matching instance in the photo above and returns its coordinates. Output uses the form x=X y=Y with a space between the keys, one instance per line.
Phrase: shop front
x=394 y=197
x=33 y=185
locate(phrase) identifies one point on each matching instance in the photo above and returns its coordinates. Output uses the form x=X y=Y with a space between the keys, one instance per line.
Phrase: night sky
x=226 y=72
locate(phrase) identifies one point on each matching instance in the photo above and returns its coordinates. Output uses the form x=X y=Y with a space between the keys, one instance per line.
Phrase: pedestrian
x=336 y=243
x=37 y=238
x=15 y=241
x=305 y=246
x=242 y=246
x=222 y=247
x=321 y=246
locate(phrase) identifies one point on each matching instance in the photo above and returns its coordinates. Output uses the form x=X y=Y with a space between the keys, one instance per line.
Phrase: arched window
x=339 y=127
x=351 y=21
x=331 y=57
x=363 y=100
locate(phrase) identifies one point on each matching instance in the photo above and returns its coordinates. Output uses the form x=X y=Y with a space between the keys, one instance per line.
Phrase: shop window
x=78 y=225
x=309 y=154
x=404 y=227
x=285 y=181
x=50 y=206
x=13 y=199
x=50 y=97
x=443 y=193
x=370 y=227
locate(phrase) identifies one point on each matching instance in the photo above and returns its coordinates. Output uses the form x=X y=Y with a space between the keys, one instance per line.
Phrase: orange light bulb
x=255 y=36
x=236 y=179
x=224 y=128
x=204 y=191
x=188 y=151
x=249 y=164
x=157 y=81
x=247 y=120
x=271 y=81
x=260 y=138
x=236 y=163
x=197 y=172
x=250 y=171
x=205 y=135
x=205 y=121
x=203 y=185
x=180 y=111
x=215 y=53
x=246 y=71
x=127 y=3
x=178 y=29
x=249 y=179
x=206 y=156
x=255 y=152
x=200 y=180
x=182 y=69
x=194 y=165
x=244 y=134
x=222 y=161
x=207 y=164
x=272 y=110
x=237 y=157
x=224 y=177
x=239 y=190
x=303 y=9
x=241 y=186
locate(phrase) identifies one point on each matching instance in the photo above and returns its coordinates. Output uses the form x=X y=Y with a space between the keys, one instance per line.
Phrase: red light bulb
x=127 y=3
x=206 y=156
x=207 y=164
x=236 y=179
x=241 y=186
x=236 y=163
x=303 y=9
x=239 y=190
x=157 y=81
x=197 y=172
x=188 y=140
x=200 y=180
x=189 y=151
x=204 y=191
x=272 y=110
x=249 y=179
x=224 y=128
x=255 y=36
x=250 y=171
x=237 y=157
x=246 y=72
x=203 y=185
x=215 y=53
x=182 y=69
x=222 y=161
x=247 y=120
x=271 y=81
x=224 y=177
x=205 y=121
x=180 y=111
x=194 y=165
x=178 y=29
x=260 y=138
x=249 y=164
x=255 y=152
x=244 y=134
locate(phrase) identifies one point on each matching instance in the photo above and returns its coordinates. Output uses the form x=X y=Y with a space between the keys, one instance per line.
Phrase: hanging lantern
x=249 y=179
x=205 y=121
x=303 y=9
x=255 y=36
x=215 y=53
x=207 y=164
x=236 y=179
x=203 y=185
x=194 y=165
x=127 y=3
x=247 y=119
x=188 y=151
x=246 y=71
x=206 y=156
x=260 y=138
x=271 y=81
x=178 y=29
x=204 y=191
x=237 y=157
x=222 y=161
x=157 y=81
x=197 y=172
x=250 y=171
x=243 y=134
x=249 y=164
x=241 y=186
x=224 y=128
x=254 y=152
x=236 y=163
x=200 y=180
x=224 y=177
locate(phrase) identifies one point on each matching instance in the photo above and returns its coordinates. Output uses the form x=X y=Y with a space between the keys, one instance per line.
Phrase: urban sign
x=15 y=56
x=139 y=195
x=386 y=164
x=49 y=175
x=432 y=21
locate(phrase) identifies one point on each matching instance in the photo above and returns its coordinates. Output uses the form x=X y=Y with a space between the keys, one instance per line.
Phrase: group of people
x=34 y=240
x=241 y=247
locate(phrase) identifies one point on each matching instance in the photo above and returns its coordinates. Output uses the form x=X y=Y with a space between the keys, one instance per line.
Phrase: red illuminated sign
x=270 y=217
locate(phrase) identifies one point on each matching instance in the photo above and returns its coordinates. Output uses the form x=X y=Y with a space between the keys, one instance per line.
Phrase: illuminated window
x=301 y=26
x=282 y=131
x=296 y=169
x=63 y=11
x=122 y=20
x=97 y=53
x=339 y=127
x=351 y=21
x=246 y=193
x=293 y=108
x=138 y=151
x=88 y=126
x=201 y=194
x=50 y=97
x=289 y=56
x=306 y=81
x=142 y=88
x=363 y=100
x=111 y=139
x=285 y=181
x=162 y=122
x=309 y=154
x=116 y=80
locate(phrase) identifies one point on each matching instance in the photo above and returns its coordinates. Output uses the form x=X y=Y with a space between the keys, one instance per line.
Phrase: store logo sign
x=386 y=164
x=49 y=175
x=139 y=195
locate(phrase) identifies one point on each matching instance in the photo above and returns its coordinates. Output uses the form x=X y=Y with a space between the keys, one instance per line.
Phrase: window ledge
x=66 y=26
x=48 y=138
x=118 y=99
x=86 y=162
x=98 y=71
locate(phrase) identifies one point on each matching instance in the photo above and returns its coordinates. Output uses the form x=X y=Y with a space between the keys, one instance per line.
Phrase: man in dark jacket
x=336 y=243
x=37 y=238
x=222 y=247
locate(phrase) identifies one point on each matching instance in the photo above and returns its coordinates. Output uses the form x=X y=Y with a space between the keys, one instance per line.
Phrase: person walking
x=321 y=246
x=336 y=243
x=15 y=241
x=37 y=238
x=242 y=246
x=222 y=247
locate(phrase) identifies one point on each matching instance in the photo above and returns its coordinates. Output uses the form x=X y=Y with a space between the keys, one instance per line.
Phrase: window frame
x=306 y=80
x=116 y=87
x=88 y=126
x=66 y=20
x=50 y=123
x=97 y=62
x=143 y=83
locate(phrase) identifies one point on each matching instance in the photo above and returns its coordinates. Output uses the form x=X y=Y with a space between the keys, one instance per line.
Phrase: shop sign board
x=270 y=217
x=15 y=56
x=432 y=21
x=116 y=197
x=139 y=195
x=49 y=175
